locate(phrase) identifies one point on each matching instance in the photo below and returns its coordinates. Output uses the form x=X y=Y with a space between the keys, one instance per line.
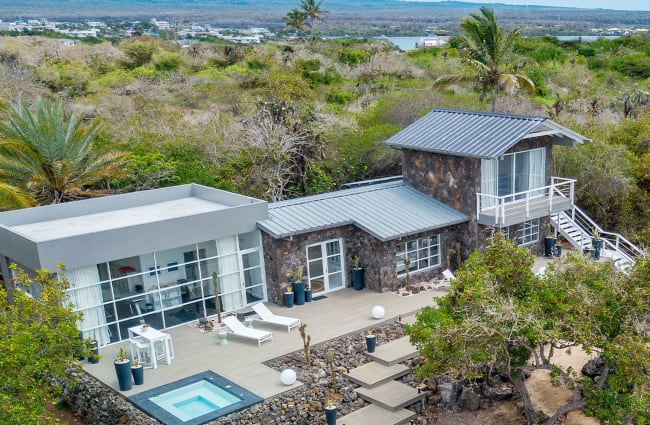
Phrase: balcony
x=502 y=211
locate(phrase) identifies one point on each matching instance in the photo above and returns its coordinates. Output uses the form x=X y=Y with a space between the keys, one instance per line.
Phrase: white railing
x=612 y=242
x=559 y=188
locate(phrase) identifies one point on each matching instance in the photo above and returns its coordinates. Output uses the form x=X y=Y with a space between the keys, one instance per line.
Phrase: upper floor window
x=513 y=174
x=423 y=253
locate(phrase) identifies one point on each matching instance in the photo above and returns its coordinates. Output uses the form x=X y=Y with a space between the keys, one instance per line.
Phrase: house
x=152 y=255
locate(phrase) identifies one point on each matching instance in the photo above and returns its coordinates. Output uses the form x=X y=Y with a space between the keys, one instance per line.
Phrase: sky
x=587 y=4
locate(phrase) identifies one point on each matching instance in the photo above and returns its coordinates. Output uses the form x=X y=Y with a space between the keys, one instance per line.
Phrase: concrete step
x=372 y=374
x=393 y=352
x=376 y=415
x=391 y=395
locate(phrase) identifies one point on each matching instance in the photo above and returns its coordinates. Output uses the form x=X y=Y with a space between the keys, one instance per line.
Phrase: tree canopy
x=500 y=317
x=39 y=341
x=486 y=50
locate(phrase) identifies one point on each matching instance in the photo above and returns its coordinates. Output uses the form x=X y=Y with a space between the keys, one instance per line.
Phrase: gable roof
x=385 y=210
x=478 y=134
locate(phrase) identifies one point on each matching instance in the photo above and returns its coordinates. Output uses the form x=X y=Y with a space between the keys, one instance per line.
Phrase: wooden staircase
x=378 y=386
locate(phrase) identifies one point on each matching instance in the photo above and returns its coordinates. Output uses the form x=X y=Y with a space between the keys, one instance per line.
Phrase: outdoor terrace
x=241 y=361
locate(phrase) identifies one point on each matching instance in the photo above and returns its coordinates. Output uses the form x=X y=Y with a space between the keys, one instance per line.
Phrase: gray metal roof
x=386 y=211
x=477 y=134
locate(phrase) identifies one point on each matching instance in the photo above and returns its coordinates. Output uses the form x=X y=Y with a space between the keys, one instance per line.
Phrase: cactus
x=306 y=340
x=217 y=304
x=330 y=360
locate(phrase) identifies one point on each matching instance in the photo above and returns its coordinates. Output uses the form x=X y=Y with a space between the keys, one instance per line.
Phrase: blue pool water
x=194 y=400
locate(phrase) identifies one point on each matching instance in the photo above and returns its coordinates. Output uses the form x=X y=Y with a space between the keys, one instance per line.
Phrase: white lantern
x=288 y=377
x=378 y=312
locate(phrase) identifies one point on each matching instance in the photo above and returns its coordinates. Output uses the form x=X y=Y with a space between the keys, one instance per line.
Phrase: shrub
x=632 y=65
x=341 y=97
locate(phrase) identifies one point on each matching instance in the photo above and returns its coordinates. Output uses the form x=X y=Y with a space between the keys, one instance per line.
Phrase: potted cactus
x=138 y=372
x=330 y=412
x=288 y=295
x=357 y=273
x=371 y=341
x=299 y=286
x=123 y=370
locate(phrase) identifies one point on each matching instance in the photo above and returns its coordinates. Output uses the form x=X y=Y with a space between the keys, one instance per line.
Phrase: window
x=423 y=253
x=514 y=173
x=528 y=232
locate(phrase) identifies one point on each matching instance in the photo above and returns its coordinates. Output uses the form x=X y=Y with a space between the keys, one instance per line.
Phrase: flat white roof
x=110 y=220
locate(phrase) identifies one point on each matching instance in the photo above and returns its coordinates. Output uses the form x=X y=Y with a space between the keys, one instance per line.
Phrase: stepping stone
x=394 y=352
x=375 y=415
x=391 y=395
x=372 y=374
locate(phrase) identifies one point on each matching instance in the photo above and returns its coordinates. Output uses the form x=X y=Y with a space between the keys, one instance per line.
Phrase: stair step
x=372 y=374
x=376 y=415
x=391 y=395
x=394 y=352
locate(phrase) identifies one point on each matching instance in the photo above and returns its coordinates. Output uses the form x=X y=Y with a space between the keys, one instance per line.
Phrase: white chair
x=239 y=329
x=267 y=316
x=141 y=350
x=165 y=348
x=449 y=276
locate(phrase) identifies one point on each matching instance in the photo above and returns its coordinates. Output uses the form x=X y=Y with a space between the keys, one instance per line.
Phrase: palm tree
x=296 y=19
x=12 y=197
x=486 y=50
x=313 y=11
x=51 y=155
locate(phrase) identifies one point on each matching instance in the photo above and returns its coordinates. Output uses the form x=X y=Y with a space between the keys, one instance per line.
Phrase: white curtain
x=488 y=182
x=86 y=294
x=537 y=170
x=230 y=285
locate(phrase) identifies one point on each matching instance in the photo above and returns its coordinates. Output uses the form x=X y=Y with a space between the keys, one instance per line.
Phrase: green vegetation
x=499 y=318
x=284 y=120
x=39 y=341
x=51 y=156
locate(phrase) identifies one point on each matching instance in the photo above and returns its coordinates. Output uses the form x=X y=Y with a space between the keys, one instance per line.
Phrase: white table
x=153 y=335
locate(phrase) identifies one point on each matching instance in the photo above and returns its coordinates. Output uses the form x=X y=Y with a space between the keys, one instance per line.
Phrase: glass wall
x=167 y=288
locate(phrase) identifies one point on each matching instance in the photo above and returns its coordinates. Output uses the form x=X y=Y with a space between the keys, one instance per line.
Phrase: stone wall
x=282 y=257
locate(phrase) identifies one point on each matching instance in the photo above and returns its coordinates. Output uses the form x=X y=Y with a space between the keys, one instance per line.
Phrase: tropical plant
x=11 y=197
x=486 y=50
x=52 y=155
x=296 y=19
x=313 y=11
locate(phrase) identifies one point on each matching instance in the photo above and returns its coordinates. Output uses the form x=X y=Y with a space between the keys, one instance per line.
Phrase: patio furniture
x=153 y=336
x=239 y=329
x=268 y=316
x=141 y=350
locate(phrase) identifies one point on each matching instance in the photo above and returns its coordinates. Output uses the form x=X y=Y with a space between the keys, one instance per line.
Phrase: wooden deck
x=516 y=212
x=375 y=415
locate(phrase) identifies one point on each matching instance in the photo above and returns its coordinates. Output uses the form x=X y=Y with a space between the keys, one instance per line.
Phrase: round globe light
x=378 y=312
x=288 y=377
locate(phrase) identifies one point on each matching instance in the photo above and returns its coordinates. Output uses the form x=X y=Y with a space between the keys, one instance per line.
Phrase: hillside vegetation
x=279 y=121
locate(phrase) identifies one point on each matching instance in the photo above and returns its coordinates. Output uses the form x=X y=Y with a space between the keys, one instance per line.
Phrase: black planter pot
x=299 y=292
x=549 y=243
x=123 y=372
x=288 y=299
x=308 y=295
x=357 y=278
x=330 y=415
x=598 y=245
x=371 y=343
x=94 y=352
x=138 y=375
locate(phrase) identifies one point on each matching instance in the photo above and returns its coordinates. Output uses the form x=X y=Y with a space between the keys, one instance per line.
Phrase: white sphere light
x=288 y=377
x=378 y=312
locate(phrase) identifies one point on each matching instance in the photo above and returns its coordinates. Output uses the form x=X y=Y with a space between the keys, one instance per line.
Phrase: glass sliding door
x=513 y=174
x=325 y=266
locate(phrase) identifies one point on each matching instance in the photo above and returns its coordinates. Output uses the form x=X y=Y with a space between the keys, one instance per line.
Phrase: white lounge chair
x=449 y=276
x=268 y=316
x=239 y=329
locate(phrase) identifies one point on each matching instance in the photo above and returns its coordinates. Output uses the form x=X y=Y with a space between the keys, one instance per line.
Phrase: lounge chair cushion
x=239 y=329
x=267 y=316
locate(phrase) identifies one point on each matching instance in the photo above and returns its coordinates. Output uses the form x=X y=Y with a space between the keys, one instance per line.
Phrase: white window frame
x=421 y=254
x=528 y=232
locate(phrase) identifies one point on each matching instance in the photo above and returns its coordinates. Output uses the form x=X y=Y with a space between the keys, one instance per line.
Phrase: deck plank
x=372 y=374
x=391 y=395
x=376 y=415
x=394 y=352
